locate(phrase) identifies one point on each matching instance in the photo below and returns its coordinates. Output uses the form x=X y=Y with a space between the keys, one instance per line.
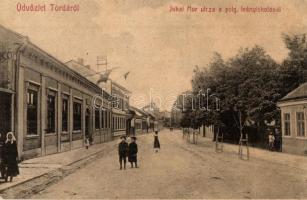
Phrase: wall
x=293 y=143
x=35 y=74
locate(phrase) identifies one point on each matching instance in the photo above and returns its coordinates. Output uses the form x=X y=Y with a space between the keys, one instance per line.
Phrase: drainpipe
x=17 y=65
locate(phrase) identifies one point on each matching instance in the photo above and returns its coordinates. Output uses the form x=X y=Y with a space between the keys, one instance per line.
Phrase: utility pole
x=243 y=140
x=102 y=61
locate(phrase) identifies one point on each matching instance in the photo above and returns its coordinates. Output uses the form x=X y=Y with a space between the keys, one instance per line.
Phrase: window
x=110 y=121
x=300 y=124
x=97 y=119
x=77 y=116
x=113 y=123
x=287 y=124
x=65 y=115
x=50 y=114
x=119 y=123
x=102 y=119
x=32 y=112
x=117 y=118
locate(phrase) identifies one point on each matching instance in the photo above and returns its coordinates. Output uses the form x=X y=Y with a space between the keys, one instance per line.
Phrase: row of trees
x=249 y=83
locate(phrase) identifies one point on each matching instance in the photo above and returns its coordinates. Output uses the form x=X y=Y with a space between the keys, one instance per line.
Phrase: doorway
x=5 y=113
x=87 y=123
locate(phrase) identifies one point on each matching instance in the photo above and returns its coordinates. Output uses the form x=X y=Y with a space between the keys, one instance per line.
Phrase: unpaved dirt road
x=181 y=170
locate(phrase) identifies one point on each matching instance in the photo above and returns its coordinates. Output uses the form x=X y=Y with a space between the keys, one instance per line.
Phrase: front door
x=87 y=123
x=5 y=113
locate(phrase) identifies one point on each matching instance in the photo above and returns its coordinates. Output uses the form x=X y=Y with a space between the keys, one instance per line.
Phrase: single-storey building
x=293 y=121
x=47 y=104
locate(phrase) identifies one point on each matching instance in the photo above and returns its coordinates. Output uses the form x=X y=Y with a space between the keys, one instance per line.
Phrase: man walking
x=122 y=152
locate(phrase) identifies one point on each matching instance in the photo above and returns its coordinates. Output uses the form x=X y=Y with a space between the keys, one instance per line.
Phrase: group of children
x=127 y=150
x=130 y=150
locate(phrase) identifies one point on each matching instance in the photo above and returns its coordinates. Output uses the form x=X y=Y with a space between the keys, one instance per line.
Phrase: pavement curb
x=36 y=184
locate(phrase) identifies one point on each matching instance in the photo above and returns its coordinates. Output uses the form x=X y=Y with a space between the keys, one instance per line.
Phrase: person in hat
x=133 y=150
x=10 y=157
x=156 y=142
x=122 y=152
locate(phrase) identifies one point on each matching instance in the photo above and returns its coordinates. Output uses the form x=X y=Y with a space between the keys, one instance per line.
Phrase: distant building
x=114 y=121
x=120 y=109
x=293 y=121
x=153 y=109
x=166 y=118
x=102 y=114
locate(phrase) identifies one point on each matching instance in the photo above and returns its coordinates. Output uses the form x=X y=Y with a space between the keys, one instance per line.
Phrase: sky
x=160 y=48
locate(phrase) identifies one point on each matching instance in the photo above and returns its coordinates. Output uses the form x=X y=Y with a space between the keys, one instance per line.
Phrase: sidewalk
x=37 y=173
x=291 y=160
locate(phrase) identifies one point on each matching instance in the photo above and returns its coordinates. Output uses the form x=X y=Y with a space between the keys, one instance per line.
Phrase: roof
x=25 y=40
x=137 y=111
x=121 y=87
x=296 y=94
x=88 y=73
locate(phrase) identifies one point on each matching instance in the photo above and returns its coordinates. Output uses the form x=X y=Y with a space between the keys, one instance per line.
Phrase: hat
x=123 y=137
x=133 y=137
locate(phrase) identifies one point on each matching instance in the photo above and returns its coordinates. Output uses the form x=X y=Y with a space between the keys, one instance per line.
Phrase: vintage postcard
x=153 y=99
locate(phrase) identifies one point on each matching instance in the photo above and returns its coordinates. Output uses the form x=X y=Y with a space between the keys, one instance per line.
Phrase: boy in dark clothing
x=122 y=152
x=133 y=150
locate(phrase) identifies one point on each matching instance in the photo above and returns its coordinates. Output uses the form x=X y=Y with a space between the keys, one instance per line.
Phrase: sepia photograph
x=153 y=99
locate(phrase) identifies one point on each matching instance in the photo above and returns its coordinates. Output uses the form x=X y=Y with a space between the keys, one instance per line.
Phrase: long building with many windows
x=52 y=106
x=47 y=104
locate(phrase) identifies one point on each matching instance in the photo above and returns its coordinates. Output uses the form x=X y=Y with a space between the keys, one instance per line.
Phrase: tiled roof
x=298 y=93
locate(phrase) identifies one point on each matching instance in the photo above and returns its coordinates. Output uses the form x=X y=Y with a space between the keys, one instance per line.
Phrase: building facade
x=120 y=109
x=102 y=110
x=293 y=121
x=45 y=103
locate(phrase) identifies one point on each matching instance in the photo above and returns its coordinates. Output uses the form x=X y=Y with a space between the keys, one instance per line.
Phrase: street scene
x=157 y=99
x=182 y=170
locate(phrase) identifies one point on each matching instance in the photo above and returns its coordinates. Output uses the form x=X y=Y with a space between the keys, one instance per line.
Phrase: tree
x=246 y=83
x=294 y=67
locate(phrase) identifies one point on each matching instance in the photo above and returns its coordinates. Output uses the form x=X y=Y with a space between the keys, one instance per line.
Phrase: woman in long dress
x=156 y=142
x=10 y=157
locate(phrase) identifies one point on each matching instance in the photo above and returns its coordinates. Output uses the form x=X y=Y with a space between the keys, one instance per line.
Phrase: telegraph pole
x=102 y=61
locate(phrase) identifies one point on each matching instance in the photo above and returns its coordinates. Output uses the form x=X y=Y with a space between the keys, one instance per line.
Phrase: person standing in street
x=132 y=125
x=122 y=152
x=156 y=142
x=133 y=150
x=10 y=155
x=271 y=141
x=87 y=142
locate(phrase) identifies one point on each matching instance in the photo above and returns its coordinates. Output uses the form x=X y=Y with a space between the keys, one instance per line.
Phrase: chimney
x=80 y=61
